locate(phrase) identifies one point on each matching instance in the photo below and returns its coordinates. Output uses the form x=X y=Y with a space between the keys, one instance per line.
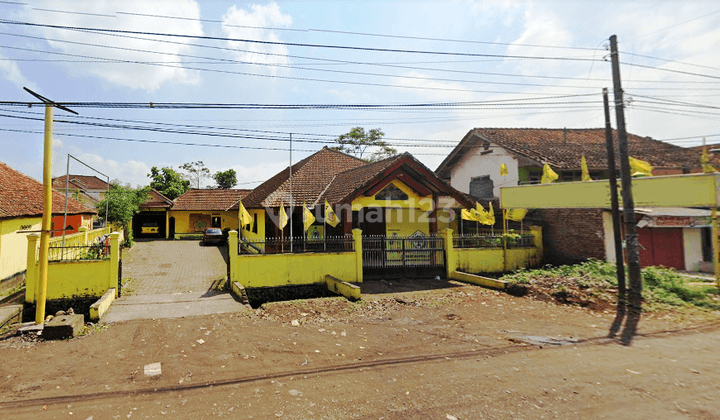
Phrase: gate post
x=450 y=257
x=233 y=255
x=357 y=238
x=114 y=262
x=31 y=271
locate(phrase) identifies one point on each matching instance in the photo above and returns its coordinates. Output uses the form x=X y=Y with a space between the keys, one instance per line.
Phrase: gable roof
x=22 y=196
x=85 y=182
x=369 y=179
x=155 y=199
x=310 y=177
x=209 y=200
x=562 y=148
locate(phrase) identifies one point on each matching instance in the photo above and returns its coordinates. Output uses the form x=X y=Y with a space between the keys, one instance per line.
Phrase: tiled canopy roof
x=310 y=178
x=562 y=148
x=81 y=181
x=22 y=196
x=209 y=200
x=155 y=199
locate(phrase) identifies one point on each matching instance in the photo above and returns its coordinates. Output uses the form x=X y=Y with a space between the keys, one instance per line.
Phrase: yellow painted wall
x=490 y=260
x=405 y=222
x=183 y=224
x=13 y=245
x=75 y=279
x=413 y=201
x=247 y=233
x=293 y=269
x=691 y=190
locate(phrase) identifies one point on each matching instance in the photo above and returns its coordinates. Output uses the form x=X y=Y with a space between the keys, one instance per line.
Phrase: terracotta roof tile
x=209 y=200
x=81 y=181
x=310 y=178
x=562 y=148
x=22 y=196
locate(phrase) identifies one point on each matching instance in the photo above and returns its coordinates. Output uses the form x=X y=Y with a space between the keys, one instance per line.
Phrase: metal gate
x=403 y=257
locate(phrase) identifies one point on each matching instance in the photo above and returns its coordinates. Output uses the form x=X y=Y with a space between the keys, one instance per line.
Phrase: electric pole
x=631 y=237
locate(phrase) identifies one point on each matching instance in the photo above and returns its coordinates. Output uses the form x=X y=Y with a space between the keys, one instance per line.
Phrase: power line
x=677 y=24
x=672 y=71
x=295 y=44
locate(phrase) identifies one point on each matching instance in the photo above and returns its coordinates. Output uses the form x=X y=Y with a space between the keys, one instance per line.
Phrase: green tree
x=123 y=203
x=225 y=180
x=195 y=172
x=168 y=182
x=357 y=142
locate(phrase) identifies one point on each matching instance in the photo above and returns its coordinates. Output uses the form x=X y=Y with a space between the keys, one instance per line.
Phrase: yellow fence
x=294 y=269
x=73 y=279
x=492 y=260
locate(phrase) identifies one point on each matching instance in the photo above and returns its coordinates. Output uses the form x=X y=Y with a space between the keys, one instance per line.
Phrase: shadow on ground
x=375 y=287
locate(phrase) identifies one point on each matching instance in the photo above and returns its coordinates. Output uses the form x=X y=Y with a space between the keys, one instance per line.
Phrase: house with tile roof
x=154 y=210
x=198 y=209
x=473 y=166
x=87 y=189
x=572 y=235
x=21 y=208
x=395 y=196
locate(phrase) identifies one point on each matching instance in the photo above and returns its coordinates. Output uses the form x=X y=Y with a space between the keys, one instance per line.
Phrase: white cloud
x=254 y=24
x=136 y=76
x=261 y=172
x=10 y=71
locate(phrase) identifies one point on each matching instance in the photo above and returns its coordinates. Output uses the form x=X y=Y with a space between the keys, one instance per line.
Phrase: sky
x=425 y=73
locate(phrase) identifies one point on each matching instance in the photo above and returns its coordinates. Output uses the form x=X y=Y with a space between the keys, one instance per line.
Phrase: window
x=215 y=221
x=481 y=187
x=255 y=223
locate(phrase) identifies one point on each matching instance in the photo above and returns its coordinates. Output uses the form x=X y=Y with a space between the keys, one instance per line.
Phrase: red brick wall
x=572 y=235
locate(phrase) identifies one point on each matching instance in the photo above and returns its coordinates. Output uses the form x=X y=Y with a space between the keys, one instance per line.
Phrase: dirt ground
x=450 y=351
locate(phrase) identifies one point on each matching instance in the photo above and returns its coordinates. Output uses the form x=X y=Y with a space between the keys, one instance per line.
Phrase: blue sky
x=537 y=57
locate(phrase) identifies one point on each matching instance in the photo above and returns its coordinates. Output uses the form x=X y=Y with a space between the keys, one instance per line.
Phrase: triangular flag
x=330 y=216
x=308 y=217
x=244 y=216
x=640 y=167
x=584 y=167
x=516 y=214
x=548 y=175
x=503 y=169
x=283 y=217
x=704 y=159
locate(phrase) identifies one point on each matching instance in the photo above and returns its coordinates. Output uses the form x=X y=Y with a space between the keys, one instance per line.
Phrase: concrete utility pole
x=619 y=260
x=631 y=237
x=45 y=225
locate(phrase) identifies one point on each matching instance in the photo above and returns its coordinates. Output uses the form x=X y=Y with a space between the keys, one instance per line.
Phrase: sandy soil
x=451 y=351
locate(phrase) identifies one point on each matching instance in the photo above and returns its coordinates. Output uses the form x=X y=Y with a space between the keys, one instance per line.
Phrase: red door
x=661 y=246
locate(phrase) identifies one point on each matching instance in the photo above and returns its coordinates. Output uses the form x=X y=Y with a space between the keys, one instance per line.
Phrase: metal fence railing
x=295 y=245
x=98 y=251
x=493 y=240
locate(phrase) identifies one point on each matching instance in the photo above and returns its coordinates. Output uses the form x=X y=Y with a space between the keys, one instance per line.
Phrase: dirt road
x=460 y=352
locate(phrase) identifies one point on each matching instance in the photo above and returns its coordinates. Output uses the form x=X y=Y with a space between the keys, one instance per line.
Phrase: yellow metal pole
x=504 y=241
x=46 y=218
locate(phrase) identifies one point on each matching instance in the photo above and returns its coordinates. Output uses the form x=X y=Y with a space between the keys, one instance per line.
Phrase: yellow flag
x=704 y=159
x=308 y=217
x=465 y=214
x=244 y=216
x=483 y=216
x=585 y=172
x=490 y=216
x=503 y=169
x=640 y=167
x=330 y=216
x=548 y=175
x=516 y=214
x=283 y=217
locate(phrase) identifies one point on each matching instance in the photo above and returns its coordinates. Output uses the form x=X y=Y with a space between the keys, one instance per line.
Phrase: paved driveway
x=164 y=267
x=172 y=279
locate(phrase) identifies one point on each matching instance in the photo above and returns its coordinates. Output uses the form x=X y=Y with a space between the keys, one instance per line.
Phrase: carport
x=153 y=210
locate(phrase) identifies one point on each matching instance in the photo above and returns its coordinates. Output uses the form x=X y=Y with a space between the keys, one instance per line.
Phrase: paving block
x=63 y=326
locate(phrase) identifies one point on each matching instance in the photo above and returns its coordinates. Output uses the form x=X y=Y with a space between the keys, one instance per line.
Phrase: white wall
x=609 y=237
x=692 y=244
x=473 y=164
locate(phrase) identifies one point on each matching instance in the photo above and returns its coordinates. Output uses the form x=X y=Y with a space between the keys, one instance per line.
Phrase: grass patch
x=595 y=279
